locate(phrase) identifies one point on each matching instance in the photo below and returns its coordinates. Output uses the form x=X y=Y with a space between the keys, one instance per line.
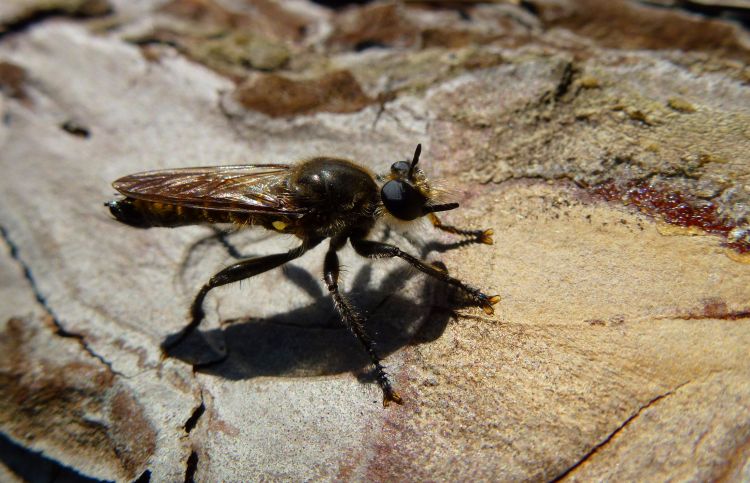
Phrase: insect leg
x=354 y=321
x=480 y=236
x=373 y=249
x=234 y=273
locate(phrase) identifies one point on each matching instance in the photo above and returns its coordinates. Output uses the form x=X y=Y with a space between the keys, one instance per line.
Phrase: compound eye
x=400 y=168
x=402 y=200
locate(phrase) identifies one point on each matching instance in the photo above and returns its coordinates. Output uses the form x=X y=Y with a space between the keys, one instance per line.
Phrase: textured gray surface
x=619 y=350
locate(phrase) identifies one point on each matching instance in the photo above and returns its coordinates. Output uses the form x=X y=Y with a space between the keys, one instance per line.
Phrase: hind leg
x=239 y=271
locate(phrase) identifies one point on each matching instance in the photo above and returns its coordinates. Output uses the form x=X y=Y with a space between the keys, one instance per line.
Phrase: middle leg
x=354 y=321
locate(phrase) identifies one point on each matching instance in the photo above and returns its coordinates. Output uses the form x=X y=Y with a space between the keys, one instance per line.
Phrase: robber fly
x=314 y=200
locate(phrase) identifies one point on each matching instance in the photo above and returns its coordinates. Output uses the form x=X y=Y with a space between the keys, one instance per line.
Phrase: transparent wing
x=244 y=188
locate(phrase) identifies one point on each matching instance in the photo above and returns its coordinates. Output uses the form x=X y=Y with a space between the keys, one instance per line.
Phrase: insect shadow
x=311 y=340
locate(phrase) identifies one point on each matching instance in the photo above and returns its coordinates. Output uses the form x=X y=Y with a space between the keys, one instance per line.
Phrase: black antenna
x=414 y=161
x=436 y=208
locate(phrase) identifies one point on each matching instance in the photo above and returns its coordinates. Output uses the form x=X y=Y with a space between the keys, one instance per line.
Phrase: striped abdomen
x=145 y=214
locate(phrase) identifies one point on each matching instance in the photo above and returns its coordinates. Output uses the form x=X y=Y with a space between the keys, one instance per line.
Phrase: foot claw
x=488 y=302
x=391 y=396
x=486 y=237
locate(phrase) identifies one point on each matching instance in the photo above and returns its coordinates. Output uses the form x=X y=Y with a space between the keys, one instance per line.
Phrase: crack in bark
x=41 y=299
x=195 y=417
x=92 y=8
x=566 y=80
x=613 y=434
x=191 y=465
x=144 y=478
x=579 y=183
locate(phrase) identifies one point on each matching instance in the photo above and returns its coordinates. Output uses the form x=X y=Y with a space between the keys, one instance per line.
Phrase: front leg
x=354 y=321
x=373 y=249
x=480 y=236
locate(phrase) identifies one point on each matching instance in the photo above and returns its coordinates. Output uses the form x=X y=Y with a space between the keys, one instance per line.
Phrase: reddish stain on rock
x=680 y=209
x=278 y=96
x=62 y=398
x=595 y=322
x=133 y=437
x=12 y=80
x=714 y=308
x=219 y=425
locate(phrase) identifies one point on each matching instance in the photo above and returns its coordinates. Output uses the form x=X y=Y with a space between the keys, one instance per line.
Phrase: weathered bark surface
x=606 y=145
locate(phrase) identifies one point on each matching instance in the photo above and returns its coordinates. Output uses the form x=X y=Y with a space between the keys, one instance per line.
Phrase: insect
x=314 y=200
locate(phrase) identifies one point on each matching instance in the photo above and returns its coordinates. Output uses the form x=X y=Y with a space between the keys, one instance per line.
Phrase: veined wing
x=243 y=188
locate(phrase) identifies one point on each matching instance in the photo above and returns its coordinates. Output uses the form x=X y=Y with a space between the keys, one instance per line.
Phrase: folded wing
x=253 y=188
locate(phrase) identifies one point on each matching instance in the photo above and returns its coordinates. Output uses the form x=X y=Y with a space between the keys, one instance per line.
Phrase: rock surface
x=606 y=146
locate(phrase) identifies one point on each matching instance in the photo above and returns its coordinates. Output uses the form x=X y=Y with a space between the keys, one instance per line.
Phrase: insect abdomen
x=146 y=214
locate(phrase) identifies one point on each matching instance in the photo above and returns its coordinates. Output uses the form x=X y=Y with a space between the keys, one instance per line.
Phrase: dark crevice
x=33 y=466
x=91 y=8
x=75 y=129
x=368 y=44
x=719 y=11
x=566 y=79
x=530 y=7
x=193 y=419
x=144 y=42
x=23 y=23
x=564 y=177
x=144 y=478
x=59 y=329
x=612 y=435
x=191 y=467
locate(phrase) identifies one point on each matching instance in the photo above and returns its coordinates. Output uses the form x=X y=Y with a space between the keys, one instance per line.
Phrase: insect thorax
x=340 y=195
